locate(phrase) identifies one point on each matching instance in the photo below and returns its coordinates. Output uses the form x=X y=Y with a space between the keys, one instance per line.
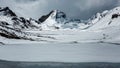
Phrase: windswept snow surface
x=84 y=52
x=68 y=46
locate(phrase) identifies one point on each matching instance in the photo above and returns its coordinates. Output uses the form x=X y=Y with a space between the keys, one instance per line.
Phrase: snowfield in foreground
x=67 y=46
x=83 y=52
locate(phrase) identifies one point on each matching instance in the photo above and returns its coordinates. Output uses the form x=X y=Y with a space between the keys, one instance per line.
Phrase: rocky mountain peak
x=5 y=11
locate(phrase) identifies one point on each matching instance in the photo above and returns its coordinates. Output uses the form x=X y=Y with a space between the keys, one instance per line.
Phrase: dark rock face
x=34 y=20
x=115 y=16
x=23 y=23
x=3 y=23
x=12 y=33
x=7 y=12
x=8 y=32
x=9 y=35
x=43 y=18
x=58 y=17
x=61 y=17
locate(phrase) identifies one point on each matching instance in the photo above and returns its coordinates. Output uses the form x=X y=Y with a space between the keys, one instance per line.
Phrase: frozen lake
x=64 y=52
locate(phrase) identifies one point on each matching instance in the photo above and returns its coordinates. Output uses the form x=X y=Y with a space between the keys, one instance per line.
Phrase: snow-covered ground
x=65 y=46
x=83 y=52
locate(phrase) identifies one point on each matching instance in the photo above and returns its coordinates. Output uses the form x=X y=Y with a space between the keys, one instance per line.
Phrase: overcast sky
x=82 y=9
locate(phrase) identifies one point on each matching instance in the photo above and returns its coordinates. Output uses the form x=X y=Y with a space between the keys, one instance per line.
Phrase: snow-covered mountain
x=106 y=19
x=54 y=20
x=5 y=11
x=12 y=26
x=10 y=19
x=58 y=20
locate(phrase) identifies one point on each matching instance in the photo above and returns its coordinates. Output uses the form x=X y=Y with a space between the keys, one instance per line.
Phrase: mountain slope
x=5 y=11
x=13 y=21
x=106 y=19
x=12 y=26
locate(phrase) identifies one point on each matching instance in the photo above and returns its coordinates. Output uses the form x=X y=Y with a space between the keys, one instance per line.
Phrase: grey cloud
x=73 y=8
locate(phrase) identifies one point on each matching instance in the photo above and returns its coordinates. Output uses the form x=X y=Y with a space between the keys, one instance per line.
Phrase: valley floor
x=64 y=46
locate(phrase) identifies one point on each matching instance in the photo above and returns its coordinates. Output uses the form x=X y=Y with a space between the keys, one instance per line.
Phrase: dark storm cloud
x=73 y=8
x=82 y=8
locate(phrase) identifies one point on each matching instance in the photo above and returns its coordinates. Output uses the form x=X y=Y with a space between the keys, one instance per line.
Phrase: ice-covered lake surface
x=81 y=52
